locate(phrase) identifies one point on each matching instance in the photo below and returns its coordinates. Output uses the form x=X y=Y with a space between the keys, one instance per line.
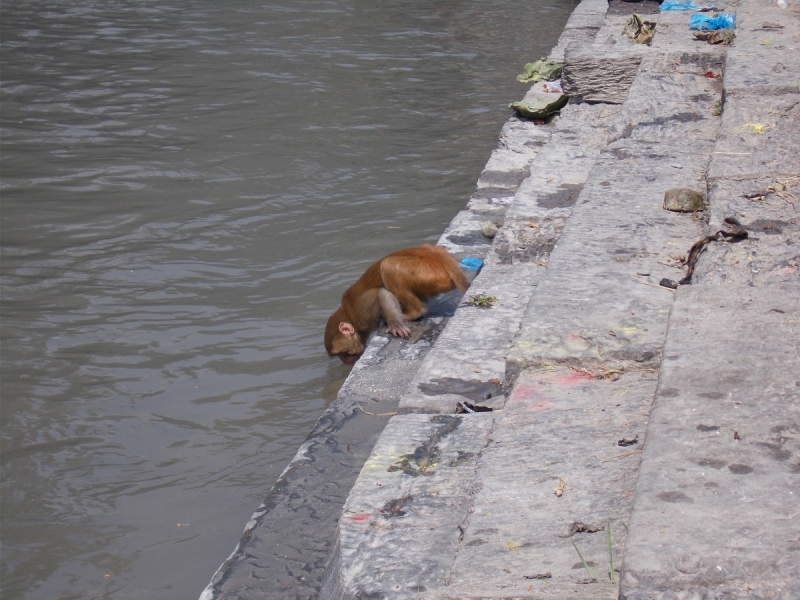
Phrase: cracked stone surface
x=718 y=492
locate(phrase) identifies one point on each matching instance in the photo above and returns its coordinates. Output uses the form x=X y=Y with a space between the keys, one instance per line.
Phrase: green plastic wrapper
x=540 y=107
x=541 y=70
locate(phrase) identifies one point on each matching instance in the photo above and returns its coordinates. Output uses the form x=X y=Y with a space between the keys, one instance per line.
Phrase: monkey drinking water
x=392 y=290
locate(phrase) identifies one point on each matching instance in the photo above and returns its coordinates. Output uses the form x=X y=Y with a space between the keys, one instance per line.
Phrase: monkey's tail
x=456 y=274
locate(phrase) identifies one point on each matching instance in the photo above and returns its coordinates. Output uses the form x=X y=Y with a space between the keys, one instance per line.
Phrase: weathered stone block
x=758 y=138
x=717 y=494
x=600 y=73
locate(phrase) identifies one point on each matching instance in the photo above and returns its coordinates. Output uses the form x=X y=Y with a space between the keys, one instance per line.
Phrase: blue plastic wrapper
x=471 y=264
x=672 y=5
x=705 y=22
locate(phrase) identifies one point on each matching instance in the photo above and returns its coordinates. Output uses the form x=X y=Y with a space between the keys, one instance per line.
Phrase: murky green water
x=187 y=189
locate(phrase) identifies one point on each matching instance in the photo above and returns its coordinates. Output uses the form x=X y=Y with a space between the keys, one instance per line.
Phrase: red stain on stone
x=523 y=392
x=359 y=518
x=571 y=377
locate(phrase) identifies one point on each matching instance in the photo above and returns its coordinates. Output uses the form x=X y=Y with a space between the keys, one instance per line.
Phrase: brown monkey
x=391 y=290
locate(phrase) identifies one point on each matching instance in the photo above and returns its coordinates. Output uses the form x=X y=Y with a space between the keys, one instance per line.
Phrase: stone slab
x=673 y=100
x=771 y=252
x=595 y=307
x=589 y=13
x=400 y=527
x=718 y=495
x=468 y=361
x=463 y=237
x=758 y=138
x=577 y=36
x=600 y=73
x=764 y=60
x=557 y=175
x=610 y=33
x=673 y=33
x=557 y=424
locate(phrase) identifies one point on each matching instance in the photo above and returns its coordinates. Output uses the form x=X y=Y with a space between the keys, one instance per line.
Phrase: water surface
x=187 y=189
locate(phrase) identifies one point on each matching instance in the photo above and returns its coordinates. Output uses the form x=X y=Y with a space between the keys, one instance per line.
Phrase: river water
x=187 y=189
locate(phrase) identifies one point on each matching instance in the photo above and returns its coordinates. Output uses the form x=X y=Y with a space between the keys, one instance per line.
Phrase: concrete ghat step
x=402 y=522
x=718 y=496
x=592 y=308
x=755 y=172
x=468 y=361
x=557 y=424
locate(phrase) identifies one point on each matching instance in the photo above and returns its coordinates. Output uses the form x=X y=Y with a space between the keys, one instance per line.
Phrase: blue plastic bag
x=704 y=22
x=471 y=264
x=672 y=5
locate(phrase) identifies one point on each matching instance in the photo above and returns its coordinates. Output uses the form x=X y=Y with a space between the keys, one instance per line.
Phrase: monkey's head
x=342 y=339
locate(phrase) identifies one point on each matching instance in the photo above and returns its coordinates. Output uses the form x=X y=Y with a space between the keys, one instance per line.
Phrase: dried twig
x=366 y=412
x=622 y=455
x=661 y=287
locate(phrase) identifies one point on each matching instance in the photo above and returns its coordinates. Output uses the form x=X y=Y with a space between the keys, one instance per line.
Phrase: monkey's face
x=342 y=340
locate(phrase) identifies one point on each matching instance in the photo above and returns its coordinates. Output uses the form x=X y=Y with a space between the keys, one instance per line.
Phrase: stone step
x=520 y=538
x=468 y=360
x=718 y=496
x=402 y=521
x=755 y=172
x=593 y=308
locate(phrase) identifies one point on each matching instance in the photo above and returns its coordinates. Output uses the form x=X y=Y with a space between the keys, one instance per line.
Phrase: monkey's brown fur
x=393 y=289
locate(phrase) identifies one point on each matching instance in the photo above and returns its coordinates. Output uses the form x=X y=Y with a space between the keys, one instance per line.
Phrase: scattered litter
x=547 y=575
x=636 y=279
x=736 y=232
x=477 y=369
x=389 y=414
x=559 y=491
x=771 y=26
x=392 y=507
x=553 y=87
x=623 y=455
x=672 y=5
x=465 y=407
x=683 y=200
x=782 y=4
x=755 y=127
x=736 y=436
x=706 y=22
x=581 y=527
x=540 y=107
x=639 y=30
x=540 y=70
x=766 y=42
x=630 y=442
x=720 y=36
x=489 y=229
x=482 y=301
x=511 y=547
x=471 y=264
x=781 y=189
x=503 y=200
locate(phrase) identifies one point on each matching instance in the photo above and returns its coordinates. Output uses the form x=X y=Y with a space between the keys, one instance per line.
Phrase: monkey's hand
x=399 y=331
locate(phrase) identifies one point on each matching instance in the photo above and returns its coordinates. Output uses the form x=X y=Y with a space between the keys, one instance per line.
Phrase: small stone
x=489 y=229
x=683 y=200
